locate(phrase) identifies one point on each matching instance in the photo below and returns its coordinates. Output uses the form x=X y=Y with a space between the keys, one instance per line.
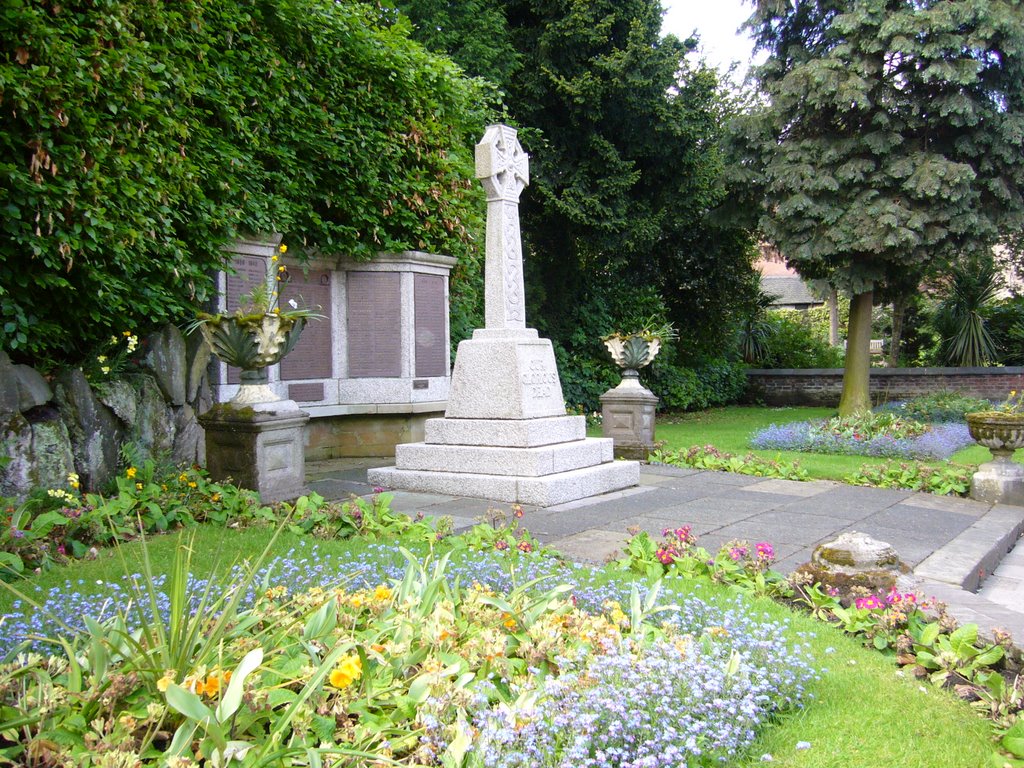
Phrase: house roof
x=791 y=290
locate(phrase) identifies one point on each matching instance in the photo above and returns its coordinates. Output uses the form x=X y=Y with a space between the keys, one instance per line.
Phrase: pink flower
x=684 y=535
x=501 y=544
x=764 y=551
x=666 y=555
x=738 y=553
x=525 y=546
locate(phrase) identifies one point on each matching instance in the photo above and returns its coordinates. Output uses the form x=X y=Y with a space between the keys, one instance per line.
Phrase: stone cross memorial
x=505 y=434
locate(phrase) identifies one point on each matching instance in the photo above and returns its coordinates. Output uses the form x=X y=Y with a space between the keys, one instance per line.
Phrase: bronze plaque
x=374 y=315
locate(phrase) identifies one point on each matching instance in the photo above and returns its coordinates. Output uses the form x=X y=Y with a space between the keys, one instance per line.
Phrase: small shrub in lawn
x=876 y=434
x=709 y=457
x=936 y=408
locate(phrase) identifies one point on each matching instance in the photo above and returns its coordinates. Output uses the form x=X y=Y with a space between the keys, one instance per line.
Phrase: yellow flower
x=382 y=593
x=166 y=680
x=105 y=369
x=73 y=479
x=283 y=248
x=138 y=486
x=192 y=485
x=215 y=497
x=349 y=669
x=101 y=358
x=182 y=477
x=130 y=472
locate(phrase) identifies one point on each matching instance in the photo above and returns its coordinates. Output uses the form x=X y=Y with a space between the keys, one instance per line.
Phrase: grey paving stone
x=839 y=508
x=939 y=524
x=757 y=529
x=664 y=470
x=771 y=500
x=712 y=510
x=792 y=487
x=333 y=489
x=594 y=546
x=947 y=503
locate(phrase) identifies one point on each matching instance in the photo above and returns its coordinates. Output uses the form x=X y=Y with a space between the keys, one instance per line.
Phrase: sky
x=717 y=22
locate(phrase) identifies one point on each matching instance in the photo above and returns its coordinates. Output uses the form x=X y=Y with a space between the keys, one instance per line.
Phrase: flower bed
x=939 y=441
x=386 y=664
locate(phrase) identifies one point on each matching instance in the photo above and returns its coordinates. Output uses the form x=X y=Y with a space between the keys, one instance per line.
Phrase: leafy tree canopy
x=892 y=138
x=140 y=136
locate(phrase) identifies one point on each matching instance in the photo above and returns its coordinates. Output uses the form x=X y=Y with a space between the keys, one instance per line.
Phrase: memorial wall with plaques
x=377 y=363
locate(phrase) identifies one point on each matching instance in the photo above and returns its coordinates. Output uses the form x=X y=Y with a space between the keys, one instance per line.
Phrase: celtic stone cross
x=504 y=169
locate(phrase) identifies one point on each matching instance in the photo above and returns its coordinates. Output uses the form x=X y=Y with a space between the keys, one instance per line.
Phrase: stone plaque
x=374 y=324
x=430 y=311
x=249 y=272
x=312 y=357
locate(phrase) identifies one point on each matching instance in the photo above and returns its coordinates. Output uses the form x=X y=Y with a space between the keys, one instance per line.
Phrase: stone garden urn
x=627 y=411
x=1002 y=479
x=256 y=439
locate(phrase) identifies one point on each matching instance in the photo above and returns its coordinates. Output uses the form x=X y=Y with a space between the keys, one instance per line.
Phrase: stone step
x=485 y=460
x=544 y=491
x=511 y=433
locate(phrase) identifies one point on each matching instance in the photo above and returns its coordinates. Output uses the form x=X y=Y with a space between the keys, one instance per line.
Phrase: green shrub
x=940 y=407
x=794 y=343
x=949 y=480
x=139 y=137
x=709 y=457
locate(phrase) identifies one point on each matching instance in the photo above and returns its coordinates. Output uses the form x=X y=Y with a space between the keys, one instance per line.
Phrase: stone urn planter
x=627 y=411
x=256 y=439
x=251 y=343
x=1002 y=479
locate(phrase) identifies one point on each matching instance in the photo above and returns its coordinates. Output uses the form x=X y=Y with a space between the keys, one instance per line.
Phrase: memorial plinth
x=505 y=435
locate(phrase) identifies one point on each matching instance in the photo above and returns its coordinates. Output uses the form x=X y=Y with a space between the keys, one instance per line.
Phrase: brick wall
x=823 y=386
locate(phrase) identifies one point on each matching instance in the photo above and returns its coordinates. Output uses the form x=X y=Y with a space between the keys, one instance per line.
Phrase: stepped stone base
x=542 y=491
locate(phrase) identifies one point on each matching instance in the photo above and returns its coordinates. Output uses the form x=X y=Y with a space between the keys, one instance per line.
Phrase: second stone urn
x=627 y=411
x=1002 y=479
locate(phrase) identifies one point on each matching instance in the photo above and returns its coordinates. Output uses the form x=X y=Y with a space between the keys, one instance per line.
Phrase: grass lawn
x=730 y=429
x=864 y=714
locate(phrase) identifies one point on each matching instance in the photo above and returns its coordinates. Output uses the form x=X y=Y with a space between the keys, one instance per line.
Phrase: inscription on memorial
x=539 y=380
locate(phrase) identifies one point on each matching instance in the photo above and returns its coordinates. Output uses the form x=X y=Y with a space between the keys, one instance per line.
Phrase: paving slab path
x=953 y=545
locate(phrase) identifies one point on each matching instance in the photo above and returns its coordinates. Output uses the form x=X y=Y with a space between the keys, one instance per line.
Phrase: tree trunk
x=856 y=397
x=899 y=310
x=833 y=317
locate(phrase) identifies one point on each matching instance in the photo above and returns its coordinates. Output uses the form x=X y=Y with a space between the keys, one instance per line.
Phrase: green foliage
x=625 y=168
x=947 y=480
x=1005 y=321
x=140 y=137
x=709 y=457
x=795 y=342
x=59 y=525
x=960 y=316
x=867 y=426
x=941 y=407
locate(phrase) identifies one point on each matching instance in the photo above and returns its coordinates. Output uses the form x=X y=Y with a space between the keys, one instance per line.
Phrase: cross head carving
x=501 y=164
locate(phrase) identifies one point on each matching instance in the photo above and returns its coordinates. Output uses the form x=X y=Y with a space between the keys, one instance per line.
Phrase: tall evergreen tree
x=625 y=168
x=892 y=139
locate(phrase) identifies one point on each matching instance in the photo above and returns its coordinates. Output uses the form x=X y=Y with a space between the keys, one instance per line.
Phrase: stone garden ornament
x=257 y=334
x=1001 y=430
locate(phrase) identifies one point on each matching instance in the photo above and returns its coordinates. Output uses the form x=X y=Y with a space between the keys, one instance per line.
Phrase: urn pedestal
x=627 y=417
x=263 y=450
x=1002 y=479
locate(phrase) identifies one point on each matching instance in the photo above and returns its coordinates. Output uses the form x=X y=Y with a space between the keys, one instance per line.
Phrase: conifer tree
x=892 y=139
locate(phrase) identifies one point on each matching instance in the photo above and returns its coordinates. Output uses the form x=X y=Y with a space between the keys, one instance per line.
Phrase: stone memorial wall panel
x=249 y=272
x=313 y=356
x=374 y=316
x=430 y=315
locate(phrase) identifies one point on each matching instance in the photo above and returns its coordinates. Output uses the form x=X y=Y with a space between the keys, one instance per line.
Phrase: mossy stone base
x=263 y=451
